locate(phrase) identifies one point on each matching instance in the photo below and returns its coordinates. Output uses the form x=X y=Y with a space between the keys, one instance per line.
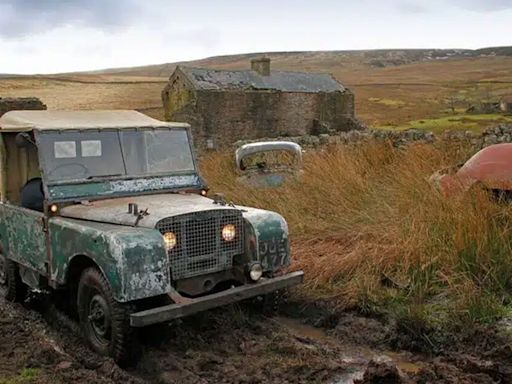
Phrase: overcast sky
x=48 y=36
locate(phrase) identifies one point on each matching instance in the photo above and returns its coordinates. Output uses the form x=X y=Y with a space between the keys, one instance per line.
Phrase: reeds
x=371 y=232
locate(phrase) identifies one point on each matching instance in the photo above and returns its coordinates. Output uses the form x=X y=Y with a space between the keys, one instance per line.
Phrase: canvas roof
x=213 y=79
x=118 y=119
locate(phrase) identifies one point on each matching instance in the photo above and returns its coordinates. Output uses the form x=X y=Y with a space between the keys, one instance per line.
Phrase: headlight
x=170 y=240
x=229 y=232
x=256 y=271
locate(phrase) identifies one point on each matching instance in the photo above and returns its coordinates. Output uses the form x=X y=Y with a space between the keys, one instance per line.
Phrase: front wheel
x=105 y=322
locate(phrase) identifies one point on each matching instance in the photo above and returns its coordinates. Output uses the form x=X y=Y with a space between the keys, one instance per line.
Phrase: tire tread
x=124 y=348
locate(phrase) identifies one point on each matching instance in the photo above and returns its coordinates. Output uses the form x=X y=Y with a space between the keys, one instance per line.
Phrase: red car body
x=490 y=167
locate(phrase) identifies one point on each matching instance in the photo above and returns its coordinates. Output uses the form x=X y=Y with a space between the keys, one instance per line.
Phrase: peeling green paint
x=22 y=236
x=271 y=237
x=121 y=187
x=133 y=259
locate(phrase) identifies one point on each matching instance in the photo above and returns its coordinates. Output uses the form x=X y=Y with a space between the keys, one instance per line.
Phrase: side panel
x=23 y=237
x=133 y=260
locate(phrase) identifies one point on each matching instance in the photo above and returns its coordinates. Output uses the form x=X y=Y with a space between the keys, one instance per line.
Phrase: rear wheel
x=105 y=322
x=10 y=279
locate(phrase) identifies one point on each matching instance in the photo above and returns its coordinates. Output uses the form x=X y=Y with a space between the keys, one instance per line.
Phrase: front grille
x=200 y=248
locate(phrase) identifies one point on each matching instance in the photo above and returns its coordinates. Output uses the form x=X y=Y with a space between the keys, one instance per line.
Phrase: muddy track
x=39 y=344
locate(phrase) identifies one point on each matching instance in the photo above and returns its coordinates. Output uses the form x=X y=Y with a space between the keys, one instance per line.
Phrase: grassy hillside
x=393 y=88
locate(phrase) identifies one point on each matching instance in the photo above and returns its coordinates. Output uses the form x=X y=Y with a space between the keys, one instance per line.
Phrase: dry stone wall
x=20 y=103
x=492 y=135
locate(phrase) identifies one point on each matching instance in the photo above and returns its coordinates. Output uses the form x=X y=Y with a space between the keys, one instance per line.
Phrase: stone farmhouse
x=225 y=106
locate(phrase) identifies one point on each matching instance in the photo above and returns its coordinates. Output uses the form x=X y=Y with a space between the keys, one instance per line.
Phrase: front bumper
x=232 y=295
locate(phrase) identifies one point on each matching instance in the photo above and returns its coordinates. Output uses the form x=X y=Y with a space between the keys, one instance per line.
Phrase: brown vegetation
x=371 y=232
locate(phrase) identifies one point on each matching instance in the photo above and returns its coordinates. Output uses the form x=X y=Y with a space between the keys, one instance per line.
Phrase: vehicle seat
x=32 y=196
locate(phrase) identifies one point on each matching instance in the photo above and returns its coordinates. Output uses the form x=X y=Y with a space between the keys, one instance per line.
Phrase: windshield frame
x=97 y=179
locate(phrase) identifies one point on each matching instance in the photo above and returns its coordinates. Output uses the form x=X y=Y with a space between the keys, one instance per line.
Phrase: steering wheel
x=80 y=168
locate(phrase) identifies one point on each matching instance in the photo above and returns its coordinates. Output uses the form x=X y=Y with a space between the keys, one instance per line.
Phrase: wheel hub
x=99 y=316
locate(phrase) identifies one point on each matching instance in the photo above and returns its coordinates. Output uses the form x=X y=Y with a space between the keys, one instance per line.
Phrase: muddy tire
x=105 y=323
x=14 y=289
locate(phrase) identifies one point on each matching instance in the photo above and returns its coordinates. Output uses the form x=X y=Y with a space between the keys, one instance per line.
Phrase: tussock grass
x=371 y=232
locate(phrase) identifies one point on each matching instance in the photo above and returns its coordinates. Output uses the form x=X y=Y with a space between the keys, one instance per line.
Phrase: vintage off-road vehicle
x=108 y=207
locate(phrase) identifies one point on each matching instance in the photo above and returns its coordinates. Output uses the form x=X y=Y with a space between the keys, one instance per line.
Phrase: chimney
x=261 y=65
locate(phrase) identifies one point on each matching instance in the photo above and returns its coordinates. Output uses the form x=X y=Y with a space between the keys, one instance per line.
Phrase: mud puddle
x=233 y=345
x=356 y=357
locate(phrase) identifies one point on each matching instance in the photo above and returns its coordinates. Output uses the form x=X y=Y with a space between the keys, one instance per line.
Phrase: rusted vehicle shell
x=263 y=175
x=490 y=167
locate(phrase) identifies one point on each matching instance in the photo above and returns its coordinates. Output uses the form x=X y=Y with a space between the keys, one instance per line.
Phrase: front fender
x=266 y=238
x=133 y=260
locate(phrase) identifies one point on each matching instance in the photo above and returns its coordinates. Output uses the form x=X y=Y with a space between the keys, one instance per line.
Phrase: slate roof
x=213 y=79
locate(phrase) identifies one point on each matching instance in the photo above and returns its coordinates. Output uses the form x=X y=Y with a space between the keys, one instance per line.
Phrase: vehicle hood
x=160 y=206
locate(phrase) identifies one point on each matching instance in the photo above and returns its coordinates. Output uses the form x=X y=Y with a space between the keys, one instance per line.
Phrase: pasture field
x=392 y=96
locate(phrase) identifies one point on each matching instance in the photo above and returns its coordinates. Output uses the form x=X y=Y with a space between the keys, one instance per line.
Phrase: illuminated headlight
x=255 y=271
x=229 y=232
x=170 y=240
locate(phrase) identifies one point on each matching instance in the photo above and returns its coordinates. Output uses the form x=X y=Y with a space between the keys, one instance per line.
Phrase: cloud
x=19 y=18
x=483 y=5
x=412 y=7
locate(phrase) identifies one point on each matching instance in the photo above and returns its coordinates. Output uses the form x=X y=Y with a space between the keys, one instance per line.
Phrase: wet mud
x=40 y=344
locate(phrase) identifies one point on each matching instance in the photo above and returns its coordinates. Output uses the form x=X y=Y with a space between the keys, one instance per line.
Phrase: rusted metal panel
x=175 y=311
x=491 y=167
x=134 y=260
x=265 y=146
x=269 y=175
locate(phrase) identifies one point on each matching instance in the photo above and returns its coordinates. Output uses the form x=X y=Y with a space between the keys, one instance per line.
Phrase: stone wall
x=20 y=103
x=492 y=135
x=223 y=117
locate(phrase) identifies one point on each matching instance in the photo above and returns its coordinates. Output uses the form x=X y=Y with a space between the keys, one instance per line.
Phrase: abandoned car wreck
x=225 y=106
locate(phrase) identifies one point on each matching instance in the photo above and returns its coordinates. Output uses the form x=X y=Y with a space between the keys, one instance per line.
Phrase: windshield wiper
x=104 y=176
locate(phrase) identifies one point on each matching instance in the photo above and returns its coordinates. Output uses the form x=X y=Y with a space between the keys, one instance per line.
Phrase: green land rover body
x=123 y=226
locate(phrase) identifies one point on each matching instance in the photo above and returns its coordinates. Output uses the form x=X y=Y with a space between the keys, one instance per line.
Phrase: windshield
x=109 y=153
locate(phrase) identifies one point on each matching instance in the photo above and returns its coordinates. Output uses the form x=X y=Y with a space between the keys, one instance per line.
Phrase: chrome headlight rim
x=255 y=271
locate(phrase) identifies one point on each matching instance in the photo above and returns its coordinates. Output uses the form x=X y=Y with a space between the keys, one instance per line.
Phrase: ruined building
x=226 y=106
x=20 y=103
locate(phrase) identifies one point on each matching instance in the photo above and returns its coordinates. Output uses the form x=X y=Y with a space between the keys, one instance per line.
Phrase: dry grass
x=369 y=231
